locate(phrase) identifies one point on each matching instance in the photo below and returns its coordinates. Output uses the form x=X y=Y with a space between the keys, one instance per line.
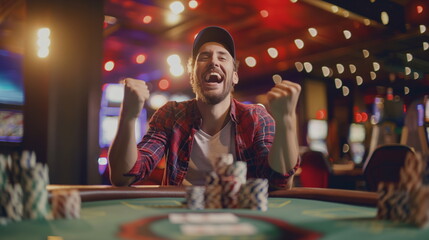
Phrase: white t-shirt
x=205 y=150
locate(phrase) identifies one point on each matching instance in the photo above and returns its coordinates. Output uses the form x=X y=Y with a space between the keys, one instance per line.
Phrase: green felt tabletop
x=103 y=220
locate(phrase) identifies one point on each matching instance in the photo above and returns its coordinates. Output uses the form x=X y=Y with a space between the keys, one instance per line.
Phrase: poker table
x=145 y=212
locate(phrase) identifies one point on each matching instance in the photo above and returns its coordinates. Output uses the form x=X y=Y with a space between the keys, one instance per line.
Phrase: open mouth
x=214 y=77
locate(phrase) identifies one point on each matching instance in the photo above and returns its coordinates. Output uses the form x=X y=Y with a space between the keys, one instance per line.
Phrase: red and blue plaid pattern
x=172 y=128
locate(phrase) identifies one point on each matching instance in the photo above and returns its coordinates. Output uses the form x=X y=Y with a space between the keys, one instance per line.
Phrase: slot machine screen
x=356 y=139
x=11 y=126
x=109 y=126
x=317 y=133
x=357 y=133
x=11 y=79
x=113 y=94
x=317 y=129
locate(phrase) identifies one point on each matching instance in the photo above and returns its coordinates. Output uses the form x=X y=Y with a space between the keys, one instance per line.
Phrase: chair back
x=315 y=170
x=384 y=164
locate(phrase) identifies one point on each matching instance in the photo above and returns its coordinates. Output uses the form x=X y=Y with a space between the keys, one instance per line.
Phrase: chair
x=315 y=170
x=384 y=164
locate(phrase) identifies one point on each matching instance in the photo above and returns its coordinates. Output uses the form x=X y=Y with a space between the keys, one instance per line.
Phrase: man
x=193 y=134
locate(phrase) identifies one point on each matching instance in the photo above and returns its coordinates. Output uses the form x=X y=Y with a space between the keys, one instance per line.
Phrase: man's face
x=213 y=76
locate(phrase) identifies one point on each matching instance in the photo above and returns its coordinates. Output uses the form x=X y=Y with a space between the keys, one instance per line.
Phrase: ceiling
x=284 y=22
x=258 y=25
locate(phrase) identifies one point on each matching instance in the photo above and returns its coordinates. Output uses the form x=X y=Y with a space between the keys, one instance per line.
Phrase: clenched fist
x=283 y=98
x=135 y=95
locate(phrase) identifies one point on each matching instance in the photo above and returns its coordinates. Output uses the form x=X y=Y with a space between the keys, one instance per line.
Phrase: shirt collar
x=233 y=111
x=196 y=117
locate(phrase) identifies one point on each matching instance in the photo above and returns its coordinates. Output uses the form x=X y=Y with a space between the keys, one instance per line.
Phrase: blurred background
x=363 y=67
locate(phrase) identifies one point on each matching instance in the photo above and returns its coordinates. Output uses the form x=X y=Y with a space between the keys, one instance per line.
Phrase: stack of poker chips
x=66 y=204
x=227 y=187
x=407 y=200
x=23 y=193
x=213 y=193
x=195 y=197
x=34 y=180
x=255 y=194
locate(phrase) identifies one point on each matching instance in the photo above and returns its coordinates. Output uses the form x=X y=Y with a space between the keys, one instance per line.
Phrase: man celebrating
x=194 y=133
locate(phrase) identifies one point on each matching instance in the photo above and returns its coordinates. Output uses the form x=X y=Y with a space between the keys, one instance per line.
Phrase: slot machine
x=316 y=135
x=357 y=135
x=112 y=96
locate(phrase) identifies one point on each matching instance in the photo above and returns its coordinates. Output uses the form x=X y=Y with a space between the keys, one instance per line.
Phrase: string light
x=308 y=67
x=365 y=53
x=177 y=7
x=384 y=18
x=43 y=42
x=407 y=71
x=313 y=32
x=273 y=52
x=299 y=43
x=193 y=4
x=425 y=46
x=338 y=83
x=347 y=34
x=277 y=78
x=340 y=68
x=359 y=80
x=250 y=61
x=299 y=66
x=109 y=66
x=352 y=68
x=376 y=66
x=422 y=29
x=406 y=90
x=264 y=13
x=373 y=75
x=346 y=91
x=147 y=19
x=409 y=57
x=326 y=71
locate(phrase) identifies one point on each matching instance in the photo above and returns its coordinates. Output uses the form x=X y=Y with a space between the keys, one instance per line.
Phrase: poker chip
x=212 y=179
x=34 y=182
x=23 y=187
x=237 y=170
x=223 y=162
x=3 y=171
x=254 y=194
x=195 y=197
x=230 y=191
x=420 y=207
x=11 y=202
x=226 y=187
x=66 y=204
x=407 y=200
x=213 y=197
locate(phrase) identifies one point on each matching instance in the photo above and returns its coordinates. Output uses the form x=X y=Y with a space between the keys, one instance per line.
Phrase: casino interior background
x=363 y=66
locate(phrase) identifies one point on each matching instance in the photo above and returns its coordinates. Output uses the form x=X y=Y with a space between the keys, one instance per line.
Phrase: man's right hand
x=136 y=93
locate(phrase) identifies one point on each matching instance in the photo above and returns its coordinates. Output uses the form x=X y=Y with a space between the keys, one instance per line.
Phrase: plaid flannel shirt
x=171 y=131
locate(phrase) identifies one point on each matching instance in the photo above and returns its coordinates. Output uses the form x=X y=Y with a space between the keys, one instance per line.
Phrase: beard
x=212 y=99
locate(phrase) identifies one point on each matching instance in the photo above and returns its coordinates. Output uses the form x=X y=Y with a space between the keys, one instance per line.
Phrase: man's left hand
x=283 y=98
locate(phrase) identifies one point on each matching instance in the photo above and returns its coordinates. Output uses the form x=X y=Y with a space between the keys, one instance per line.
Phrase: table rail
x=107 y=192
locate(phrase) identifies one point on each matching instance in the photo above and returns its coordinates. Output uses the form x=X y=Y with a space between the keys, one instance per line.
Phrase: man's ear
x=235 y=78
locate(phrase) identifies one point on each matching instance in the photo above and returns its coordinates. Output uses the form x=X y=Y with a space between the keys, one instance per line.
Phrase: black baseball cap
x=214 y=34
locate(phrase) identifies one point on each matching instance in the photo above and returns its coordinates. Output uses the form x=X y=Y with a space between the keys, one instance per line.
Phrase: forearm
x=123 y=152
x=284 y=152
